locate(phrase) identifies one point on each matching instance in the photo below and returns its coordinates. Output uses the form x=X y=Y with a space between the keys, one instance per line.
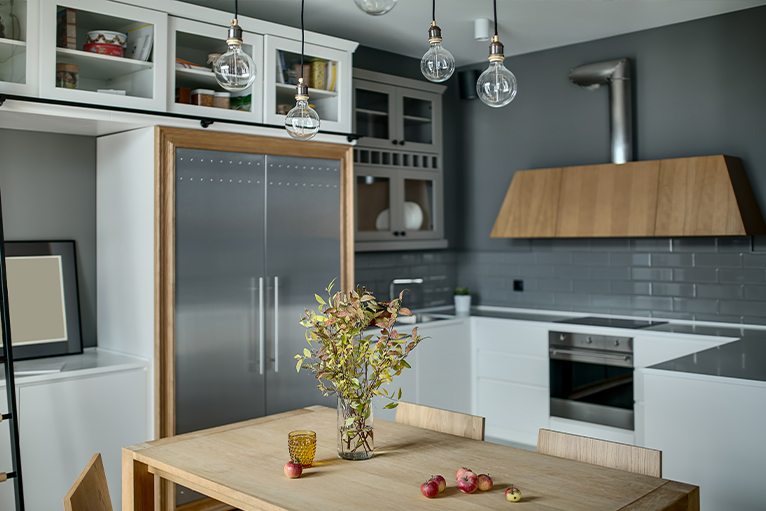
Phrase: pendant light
x=375 y=7
x=496 y=86
x=437 y=65
x=235 y=69
x=302 y=122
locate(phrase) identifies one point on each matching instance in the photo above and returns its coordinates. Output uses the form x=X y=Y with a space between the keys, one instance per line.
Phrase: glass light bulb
x=302 y=122
x=496 y=86
x=235 y=69
x=437 y=64
x=375 y=7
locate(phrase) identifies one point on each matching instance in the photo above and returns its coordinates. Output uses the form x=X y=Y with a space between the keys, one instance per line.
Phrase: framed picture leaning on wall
x=43 y=298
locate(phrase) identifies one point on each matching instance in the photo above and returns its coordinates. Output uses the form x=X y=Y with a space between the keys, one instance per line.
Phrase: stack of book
x=317 y=73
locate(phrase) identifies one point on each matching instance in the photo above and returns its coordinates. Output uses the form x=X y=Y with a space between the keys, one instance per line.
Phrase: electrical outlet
x=518 y=285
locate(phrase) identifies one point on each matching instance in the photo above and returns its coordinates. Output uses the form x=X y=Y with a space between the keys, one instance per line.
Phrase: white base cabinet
x=66 y=418
x=710 y=431
x=511 y=381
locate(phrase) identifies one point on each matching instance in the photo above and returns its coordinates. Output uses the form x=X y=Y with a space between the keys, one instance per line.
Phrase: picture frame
x=44 y=299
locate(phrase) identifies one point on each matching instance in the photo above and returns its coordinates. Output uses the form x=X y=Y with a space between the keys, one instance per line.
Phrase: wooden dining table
x=242 y=465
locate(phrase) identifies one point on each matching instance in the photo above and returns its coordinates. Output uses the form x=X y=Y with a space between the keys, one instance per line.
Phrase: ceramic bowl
x=107 y=37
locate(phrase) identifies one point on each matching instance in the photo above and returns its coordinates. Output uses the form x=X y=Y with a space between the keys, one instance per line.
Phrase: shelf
x=197 y=76
x=101 y=67
x=416 y=119
x=371 y=112
x=313 y=93
x=11 y=42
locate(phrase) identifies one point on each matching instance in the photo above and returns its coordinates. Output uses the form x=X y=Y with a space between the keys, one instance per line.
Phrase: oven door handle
x=620 y=360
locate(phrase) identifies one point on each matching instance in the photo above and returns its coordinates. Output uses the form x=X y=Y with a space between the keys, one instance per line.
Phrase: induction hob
x=633 y=324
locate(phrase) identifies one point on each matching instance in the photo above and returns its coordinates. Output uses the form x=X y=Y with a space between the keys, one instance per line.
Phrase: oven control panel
x=588 y=341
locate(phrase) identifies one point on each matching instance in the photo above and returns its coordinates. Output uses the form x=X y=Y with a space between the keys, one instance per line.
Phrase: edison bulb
x=302 y=122
x=376 y=7
x=235 y=69
x=438 y=64
x=496 y=86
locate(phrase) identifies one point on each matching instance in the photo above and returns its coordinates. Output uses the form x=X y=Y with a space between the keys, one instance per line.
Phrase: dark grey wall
x=49 y=192
x=698 y=88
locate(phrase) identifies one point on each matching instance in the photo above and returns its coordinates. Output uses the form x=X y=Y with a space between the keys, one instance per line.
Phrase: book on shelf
x=140 y=41
x=318 y=74
x=331 y=75
x=66 y=28
x=281 y=68
x=185 y=64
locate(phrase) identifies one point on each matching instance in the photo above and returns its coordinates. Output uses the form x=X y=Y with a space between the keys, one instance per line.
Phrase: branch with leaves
x=351 y=362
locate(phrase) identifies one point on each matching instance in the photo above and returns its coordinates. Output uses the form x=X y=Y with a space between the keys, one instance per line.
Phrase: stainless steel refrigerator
x=256 y=237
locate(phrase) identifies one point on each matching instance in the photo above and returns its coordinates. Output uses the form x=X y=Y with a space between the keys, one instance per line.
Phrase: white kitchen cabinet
x=332 y=102
x=19 y=49
x=193 y=41
x=144 y=82
x=98 y=403
x=511 y=381
x=710 y=431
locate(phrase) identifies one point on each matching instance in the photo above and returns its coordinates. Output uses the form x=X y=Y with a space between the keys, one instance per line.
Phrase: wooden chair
x=90 y=492
x=443 y=421
x=638 y=460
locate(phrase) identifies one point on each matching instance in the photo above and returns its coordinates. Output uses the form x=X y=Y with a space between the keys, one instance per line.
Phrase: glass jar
x=203 y=97
x=355 y=434
x=222 y=99
x=67 y=75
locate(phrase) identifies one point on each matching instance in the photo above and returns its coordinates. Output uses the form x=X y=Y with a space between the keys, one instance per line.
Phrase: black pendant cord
x=495 y=17
x=303 y=37
x=236 y=9
x=433 y=12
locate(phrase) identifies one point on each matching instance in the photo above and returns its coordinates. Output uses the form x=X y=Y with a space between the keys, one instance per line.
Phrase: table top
x=242 y=465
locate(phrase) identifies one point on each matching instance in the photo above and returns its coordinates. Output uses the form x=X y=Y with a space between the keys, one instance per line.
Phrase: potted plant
x=353 y=363
x=462 y=301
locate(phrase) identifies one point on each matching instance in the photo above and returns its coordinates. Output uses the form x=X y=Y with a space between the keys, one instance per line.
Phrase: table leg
x=137 y=484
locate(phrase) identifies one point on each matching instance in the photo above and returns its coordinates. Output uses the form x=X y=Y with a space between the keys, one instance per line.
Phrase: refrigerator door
x=302 y=258
x=220 y=373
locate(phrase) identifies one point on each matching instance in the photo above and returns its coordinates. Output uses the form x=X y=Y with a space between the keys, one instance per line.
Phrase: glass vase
x=355 y=433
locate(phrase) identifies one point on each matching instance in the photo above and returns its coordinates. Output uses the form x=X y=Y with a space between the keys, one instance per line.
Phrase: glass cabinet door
x=420 y=121
x=421 y=207
x=18 y=46
x=375 y=193
x=374 y=107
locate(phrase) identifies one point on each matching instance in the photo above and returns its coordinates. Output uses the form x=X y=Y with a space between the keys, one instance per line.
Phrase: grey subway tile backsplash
x=706 y=279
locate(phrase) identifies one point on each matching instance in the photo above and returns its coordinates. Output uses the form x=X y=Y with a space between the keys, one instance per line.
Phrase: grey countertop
x=744 y=358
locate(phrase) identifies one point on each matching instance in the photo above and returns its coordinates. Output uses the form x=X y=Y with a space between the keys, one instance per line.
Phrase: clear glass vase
x=355 y=433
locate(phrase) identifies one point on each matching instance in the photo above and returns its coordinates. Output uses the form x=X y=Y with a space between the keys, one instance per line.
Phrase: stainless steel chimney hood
x=617 y=74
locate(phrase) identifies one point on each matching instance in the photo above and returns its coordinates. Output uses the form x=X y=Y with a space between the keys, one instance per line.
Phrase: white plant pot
x=462 y=305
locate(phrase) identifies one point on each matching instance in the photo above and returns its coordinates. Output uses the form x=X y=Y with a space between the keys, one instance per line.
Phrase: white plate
x=413 y=218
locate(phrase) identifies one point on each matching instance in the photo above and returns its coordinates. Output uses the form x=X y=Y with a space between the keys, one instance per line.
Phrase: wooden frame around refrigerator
x=167 y=140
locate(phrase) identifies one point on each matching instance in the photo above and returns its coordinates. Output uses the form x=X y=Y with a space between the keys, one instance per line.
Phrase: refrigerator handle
x=276 y=324
x=261 y=328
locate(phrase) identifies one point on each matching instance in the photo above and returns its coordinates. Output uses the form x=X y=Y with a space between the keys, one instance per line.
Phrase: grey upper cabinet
x=398 y=197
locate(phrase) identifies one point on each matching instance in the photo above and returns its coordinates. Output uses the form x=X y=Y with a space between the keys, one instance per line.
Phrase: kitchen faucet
x=394 y=282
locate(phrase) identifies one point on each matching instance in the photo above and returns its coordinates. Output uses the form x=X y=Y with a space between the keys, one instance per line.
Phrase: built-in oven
x=591 y=378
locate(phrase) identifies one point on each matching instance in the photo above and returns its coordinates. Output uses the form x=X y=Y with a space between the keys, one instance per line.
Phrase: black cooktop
x=612 y=322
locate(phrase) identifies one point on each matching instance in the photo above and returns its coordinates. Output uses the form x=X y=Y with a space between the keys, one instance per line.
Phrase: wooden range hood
x=702 y=196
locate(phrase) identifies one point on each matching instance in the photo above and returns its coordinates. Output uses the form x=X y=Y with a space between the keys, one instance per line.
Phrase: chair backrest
x=638 y=460
x=443 y=421
x=90 y=492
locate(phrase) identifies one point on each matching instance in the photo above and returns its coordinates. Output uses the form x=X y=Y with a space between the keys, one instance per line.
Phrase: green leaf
x=306 y=352
x=319 y=299
x=298 y=366
x=391 y=405
x=400 y=393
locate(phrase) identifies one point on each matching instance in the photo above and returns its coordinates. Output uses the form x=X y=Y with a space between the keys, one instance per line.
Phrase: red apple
x=485 y=482
x=468 y=482
x=293 y=470
x=513 y=494
x=440 y=482
x=460 y=472
x=430 y=489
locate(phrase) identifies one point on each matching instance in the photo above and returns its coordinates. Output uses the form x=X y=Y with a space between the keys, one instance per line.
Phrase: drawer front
x=513 y=368
x=507 y=336
x=513 y=406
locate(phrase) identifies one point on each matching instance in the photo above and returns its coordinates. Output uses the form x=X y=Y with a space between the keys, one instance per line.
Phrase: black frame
x=66 y=249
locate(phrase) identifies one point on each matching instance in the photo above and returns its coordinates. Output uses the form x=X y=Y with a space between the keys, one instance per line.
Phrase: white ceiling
x=524 y=25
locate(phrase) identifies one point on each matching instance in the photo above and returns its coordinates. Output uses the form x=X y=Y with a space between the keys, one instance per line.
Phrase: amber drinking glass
x=302 y=446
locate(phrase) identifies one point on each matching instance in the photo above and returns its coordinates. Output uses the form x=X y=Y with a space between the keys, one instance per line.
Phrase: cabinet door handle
x=403 y=233
x=394 y=142
x=261 y=328
x=276 y=324
x=401 y=142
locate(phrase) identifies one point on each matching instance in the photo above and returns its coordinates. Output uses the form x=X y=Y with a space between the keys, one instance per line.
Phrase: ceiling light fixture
x=235 y=69
x=437 y=65
x=496 y=86
x=302 y=122
x=376 y=7
x=481 y=29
